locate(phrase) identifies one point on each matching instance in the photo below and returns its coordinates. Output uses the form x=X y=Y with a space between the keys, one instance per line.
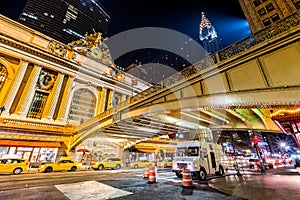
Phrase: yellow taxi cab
x=141 y=163
x=111 y=163
x=165 y=163
x=65 y=164
x=14 y=165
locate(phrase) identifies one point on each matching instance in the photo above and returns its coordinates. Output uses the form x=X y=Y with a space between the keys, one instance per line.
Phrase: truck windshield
x=187 y=151
x=181 y=152
x=193 y=151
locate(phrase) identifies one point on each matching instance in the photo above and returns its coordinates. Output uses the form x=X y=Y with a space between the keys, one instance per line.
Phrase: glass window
x=275 y=17
x=193 y=151
x=34 y=155
x=270 y=7
x=256 y=2
x=83 y=105
x=267 y=22
x=181 y=151
x=262 y=12
x=24 y=149
x=297 y=5
x=3 y=151
x=47 y=155
x=37 y=105
x=3 y=75
x=12 y=150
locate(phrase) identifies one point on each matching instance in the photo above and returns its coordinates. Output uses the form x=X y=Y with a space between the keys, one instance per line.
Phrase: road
x=129 y=184
x=124 y=184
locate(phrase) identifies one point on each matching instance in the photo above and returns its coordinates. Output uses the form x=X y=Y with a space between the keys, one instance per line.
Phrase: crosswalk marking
x=90 y=190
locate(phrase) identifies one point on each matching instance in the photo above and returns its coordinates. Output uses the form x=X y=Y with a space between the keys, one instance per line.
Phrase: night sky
x=183 y=16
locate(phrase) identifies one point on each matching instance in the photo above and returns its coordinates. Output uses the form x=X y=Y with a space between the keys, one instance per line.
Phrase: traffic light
x=255 y=140
x=172 y=135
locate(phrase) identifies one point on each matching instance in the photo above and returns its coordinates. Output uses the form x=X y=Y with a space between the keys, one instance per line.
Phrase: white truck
x=200 y=157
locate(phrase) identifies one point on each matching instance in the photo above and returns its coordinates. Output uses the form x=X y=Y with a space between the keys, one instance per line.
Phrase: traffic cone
x=187 y=179
x=146 y=172
x=152 y=174
x=187 y=182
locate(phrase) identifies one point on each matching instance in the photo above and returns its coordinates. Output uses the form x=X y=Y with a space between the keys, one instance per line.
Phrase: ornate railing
x=5 y=122
x=263 y=36
x=282 y=26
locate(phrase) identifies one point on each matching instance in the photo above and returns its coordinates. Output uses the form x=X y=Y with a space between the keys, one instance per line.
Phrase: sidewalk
x=257 y=186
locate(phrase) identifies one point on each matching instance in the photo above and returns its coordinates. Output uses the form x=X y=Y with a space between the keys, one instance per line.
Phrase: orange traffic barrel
x=187 y=179
x=152 y=174
x=146 y=171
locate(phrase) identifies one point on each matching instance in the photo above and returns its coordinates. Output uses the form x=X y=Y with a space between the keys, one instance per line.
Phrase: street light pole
x=233 y=138
x=261 y=163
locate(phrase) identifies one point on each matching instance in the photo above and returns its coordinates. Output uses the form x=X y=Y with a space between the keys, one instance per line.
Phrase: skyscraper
x=208 y=35
x=66 y=20
x=262 y=13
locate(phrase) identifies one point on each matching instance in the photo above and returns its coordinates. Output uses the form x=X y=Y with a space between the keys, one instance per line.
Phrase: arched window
x=83 y=105
x=3 y=75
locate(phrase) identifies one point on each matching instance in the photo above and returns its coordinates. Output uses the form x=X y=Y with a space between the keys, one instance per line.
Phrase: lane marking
x=90 y=190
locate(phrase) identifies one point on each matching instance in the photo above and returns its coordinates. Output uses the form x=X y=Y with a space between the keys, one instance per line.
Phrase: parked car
x=111 y=163
x=14 y=165
x=64 y=164
x=165 y=163
x=140 y=164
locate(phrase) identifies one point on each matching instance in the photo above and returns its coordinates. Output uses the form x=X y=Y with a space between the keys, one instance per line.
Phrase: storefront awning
x=16 y=143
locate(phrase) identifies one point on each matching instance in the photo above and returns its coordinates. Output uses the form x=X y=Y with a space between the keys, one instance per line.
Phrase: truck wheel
x=221 y=171
x=202 y=174
x=178 y=174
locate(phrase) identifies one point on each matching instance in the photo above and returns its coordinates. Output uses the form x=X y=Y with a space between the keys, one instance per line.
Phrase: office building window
x=262 y=12
x=275 y=17
x=37 y=105
x=297 y=5
x=256 y=2
x=3 y=75
x=270 y=7
x=267 y=22
x=83 y=105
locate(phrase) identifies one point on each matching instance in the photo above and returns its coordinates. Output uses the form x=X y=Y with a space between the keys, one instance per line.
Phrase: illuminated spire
x=206 y=30
x=205 y=23
x=208 y=35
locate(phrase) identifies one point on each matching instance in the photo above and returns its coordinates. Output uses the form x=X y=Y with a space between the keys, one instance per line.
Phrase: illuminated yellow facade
x=48 y=89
